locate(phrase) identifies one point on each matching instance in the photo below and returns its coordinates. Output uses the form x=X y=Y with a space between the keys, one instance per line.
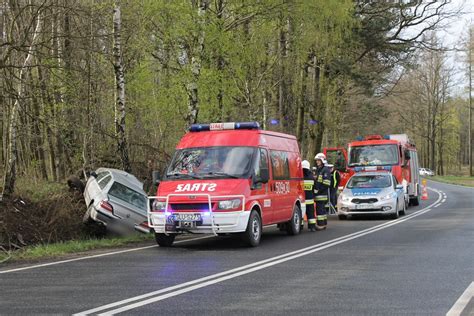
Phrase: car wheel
x=342 y=217
x=253 y=233
x=402 y=212
x=396 y=214
x=86 y=219
x=293 y=227
x=164 y=240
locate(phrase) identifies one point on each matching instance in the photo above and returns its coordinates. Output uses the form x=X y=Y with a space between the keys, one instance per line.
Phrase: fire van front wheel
x=294 y=225
x=253 y=233
x=164 y=240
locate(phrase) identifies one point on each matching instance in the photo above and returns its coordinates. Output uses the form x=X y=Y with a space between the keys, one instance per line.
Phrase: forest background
x=92 y=83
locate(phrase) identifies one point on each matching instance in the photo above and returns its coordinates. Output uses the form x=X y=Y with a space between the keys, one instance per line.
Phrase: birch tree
x=12 y=152
x=120 y=110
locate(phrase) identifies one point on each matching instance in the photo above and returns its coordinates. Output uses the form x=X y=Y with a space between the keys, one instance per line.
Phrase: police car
x=373 y=192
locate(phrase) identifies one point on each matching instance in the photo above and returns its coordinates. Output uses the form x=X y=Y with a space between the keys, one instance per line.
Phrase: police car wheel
x=253 y=233
x=396 y=214
x=402 y=212
x=164 y=240
x=293 y=227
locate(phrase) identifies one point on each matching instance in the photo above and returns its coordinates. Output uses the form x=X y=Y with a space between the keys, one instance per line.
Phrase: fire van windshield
x=211 y=162
x=375 y=155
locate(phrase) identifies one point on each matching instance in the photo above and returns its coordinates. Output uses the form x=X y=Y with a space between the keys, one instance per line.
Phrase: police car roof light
x=359 y=138
x=373 y=168
x=223 y=126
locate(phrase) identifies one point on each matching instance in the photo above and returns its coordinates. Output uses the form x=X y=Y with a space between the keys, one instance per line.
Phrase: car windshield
x=375 y=155
x=128 y=195
x=211 y=162
x=369 y=181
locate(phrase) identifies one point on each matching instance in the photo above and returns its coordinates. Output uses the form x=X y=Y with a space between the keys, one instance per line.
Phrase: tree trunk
x=303 y=103
x=48 y=117
x=12 y=153
x=220 y=61
x=196 y=59
x=282 y=86
x=319 y=109
x=38 y=140
x=120 y=110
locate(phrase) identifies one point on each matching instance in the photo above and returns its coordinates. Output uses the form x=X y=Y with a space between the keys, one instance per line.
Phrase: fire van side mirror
x=264 y=175
x=155 y=178
x=407 y=154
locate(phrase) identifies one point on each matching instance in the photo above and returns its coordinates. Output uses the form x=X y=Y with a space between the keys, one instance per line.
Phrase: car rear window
x=101 y=175
x=369 y=181
x=104 y=181
x=128 y=195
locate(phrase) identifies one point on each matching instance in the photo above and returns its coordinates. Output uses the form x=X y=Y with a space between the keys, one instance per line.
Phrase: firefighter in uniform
x=335 y=180
x=309 y=195
x=322 y=182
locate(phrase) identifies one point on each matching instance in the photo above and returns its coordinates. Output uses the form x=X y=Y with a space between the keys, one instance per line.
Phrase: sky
x=452 y=36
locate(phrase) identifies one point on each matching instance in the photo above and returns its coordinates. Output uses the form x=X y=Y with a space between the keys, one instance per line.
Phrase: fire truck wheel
x=293 y=227
x=415 y=201
x=164 y=240
x=253 y=233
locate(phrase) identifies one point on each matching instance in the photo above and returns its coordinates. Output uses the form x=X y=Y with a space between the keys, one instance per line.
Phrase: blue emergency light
x=223 y=126
x=373 y=168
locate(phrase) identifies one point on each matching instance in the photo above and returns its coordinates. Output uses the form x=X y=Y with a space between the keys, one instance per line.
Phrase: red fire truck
x=390 y=152
x=228 y=178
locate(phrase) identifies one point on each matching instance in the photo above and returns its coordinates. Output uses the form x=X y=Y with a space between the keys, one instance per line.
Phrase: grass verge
x=69 y=247
x=459 y=180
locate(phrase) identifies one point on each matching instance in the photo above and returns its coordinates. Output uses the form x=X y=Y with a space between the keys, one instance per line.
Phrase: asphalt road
x=420 y=264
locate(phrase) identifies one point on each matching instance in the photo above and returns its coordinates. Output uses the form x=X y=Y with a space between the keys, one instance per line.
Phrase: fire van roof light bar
x=223 y=126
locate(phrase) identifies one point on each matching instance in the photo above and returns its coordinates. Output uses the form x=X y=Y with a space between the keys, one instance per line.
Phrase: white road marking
x=93 y=256
x=444 y=200
x=462 y=301
x=178 y=289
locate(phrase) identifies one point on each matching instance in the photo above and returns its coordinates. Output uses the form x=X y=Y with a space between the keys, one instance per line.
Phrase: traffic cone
x=424 y=194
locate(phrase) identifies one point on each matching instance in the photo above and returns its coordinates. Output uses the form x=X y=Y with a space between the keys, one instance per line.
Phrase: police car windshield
x=211 y=162
x=374 y=155
x=369 y=181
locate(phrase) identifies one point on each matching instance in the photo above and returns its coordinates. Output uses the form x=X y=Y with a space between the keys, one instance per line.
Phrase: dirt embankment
x=56 y=218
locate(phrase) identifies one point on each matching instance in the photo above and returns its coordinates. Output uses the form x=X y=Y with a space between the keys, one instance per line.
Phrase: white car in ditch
x=116 y=199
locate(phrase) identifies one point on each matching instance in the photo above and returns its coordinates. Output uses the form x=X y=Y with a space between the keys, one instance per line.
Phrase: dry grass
x=459 y=180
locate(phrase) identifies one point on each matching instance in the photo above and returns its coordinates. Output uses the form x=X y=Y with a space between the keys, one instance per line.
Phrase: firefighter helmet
x=321 y=157
x=305 y=164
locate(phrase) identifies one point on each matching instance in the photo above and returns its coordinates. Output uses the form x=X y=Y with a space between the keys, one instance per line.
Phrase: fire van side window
x=261 y=163
x=280 y=165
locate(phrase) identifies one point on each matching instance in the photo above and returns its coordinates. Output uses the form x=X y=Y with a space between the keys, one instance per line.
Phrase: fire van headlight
x=388 y=197
x=229 y=204
x=158 y=206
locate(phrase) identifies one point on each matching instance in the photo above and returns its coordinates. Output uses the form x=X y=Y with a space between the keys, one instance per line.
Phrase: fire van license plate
x=364 y=206
x=187 y=217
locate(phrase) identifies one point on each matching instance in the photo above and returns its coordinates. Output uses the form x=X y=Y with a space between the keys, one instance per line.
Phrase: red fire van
x=229 y=178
